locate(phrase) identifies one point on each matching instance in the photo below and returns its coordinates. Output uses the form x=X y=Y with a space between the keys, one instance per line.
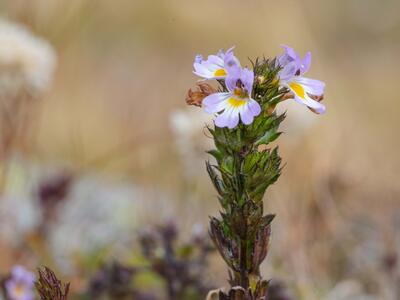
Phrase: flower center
x=236 y=102
x=19 y=290
x=298 y=89
x=241 y=93
x=220 y=72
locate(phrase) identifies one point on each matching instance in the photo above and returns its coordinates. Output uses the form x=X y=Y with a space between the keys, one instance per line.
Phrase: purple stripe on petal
x=232 y=77
x=247 y=78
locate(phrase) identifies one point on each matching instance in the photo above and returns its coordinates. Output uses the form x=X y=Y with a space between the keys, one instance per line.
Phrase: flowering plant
x=246 y=122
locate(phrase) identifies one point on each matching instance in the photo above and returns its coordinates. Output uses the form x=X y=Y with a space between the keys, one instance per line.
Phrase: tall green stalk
x=245 y=166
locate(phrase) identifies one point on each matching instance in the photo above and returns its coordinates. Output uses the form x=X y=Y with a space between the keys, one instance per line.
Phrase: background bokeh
x=116 y=119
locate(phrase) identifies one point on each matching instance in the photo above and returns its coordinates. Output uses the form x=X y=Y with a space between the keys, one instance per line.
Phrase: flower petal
x=289 y=56
x=311 y=86
x=321 y=109
x=249 y=111
x=216 y=60
x=201 y=70
x=254 y=107
x=289 y=51
x=288 y=71
x=198 y=58
x=316 y=106
x=230 y=60
x=305 y=63
x=246 y=116
x=229 y=118
x=215 y=102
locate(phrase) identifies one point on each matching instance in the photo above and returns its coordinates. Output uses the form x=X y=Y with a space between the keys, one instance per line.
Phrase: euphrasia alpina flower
x=20 y=284
x=305 y=90
x=236 y=102
x=216 y=66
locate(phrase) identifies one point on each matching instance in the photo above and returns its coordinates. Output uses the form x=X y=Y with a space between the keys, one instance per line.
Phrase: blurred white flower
x=348 y=290
x=19 y=216
x=26 y=62
x=189 y=129
x=96 y=214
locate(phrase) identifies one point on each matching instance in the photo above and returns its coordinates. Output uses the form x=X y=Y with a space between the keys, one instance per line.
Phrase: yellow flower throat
x=240 y=100
x=220 y=73
x=298 y=89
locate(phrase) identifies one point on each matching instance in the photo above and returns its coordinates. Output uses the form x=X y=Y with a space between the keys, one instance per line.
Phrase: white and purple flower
x=20 y=284
x=216 y=66
x=235 y=103
x=291 y=76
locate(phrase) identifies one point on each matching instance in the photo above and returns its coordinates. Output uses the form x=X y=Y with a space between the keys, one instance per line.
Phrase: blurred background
x=102 y=143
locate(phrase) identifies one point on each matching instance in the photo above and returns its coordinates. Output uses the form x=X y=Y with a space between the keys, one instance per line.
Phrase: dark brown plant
x=51 y=193
x=50 y=287
x=181 y=266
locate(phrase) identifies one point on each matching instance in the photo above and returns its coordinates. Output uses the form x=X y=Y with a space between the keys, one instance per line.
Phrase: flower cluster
x=236 y=103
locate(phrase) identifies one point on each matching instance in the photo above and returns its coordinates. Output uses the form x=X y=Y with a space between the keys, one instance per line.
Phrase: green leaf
x=268 y=137
x=216 y=154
